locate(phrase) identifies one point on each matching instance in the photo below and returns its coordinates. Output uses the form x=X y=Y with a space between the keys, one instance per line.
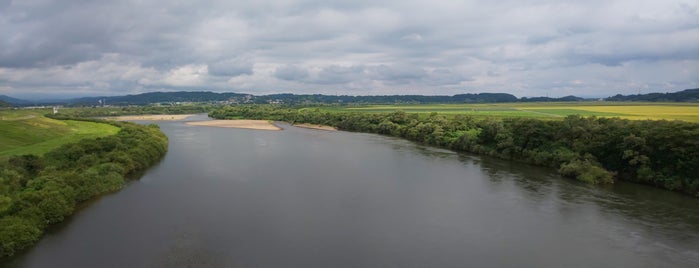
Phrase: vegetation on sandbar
x=591 y=149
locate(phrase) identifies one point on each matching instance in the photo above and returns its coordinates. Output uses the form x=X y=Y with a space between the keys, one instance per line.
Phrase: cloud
x=415 y=37
x=399 y=74
x=359 y=47
x=335 y=74
x=291 y=73
x=231 y=67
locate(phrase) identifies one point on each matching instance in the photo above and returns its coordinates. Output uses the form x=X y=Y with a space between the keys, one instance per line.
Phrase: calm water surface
x=309 y=198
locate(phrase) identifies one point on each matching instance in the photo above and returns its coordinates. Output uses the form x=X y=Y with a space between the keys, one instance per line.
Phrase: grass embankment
x=557 y=110
x=29 y=132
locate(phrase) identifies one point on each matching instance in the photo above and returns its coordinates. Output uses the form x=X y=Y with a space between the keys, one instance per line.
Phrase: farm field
x=633 y=111
x=29 y=132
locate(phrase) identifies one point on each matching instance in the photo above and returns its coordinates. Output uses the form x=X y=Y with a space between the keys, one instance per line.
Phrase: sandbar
x=150 y=117
x=249 y=124
x=312 y=126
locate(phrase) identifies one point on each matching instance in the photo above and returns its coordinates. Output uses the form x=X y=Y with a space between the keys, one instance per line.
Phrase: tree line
x=594 y=150
x=37 y=191
x=135 y=110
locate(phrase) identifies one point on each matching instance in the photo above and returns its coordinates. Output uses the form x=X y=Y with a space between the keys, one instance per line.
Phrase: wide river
x=310 y=198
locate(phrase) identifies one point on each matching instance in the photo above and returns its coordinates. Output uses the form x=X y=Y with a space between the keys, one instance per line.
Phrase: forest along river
x=226 y=197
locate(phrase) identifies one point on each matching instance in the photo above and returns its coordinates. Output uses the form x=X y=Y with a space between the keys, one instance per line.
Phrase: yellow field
x=628 y=110
x=637 y=112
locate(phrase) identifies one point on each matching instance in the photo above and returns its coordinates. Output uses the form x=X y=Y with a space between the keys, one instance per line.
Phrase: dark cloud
x=523 y=47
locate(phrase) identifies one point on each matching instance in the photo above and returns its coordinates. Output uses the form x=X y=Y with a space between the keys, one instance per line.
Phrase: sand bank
x=251 y=124
x=321 y=127
x=149 y=117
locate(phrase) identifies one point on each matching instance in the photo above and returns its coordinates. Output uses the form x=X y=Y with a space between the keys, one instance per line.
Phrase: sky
x=527 y=48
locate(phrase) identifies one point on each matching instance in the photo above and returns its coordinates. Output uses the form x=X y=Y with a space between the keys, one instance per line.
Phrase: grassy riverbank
x=77 y=160
x=29 y=132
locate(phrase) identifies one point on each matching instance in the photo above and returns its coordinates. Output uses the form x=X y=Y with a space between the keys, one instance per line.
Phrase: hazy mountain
x=4 y=104
x=158 y=97
x=15 y=101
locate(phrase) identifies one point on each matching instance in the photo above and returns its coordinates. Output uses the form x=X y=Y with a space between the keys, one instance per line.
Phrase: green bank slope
x=29 y=132
x=75 y=160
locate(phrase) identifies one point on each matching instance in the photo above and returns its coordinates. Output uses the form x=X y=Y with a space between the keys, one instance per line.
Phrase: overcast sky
x=523 y=47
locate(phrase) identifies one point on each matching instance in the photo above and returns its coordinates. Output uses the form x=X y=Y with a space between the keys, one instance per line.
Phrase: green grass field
x=634 y=111
x=29 y=132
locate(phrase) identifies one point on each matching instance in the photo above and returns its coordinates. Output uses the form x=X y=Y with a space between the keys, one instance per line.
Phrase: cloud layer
x=528 y=48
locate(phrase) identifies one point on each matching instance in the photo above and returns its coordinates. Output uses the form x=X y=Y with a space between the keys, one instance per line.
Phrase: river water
x=311 y=198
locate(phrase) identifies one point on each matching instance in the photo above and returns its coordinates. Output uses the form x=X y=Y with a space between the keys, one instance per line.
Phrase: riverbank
x=68 y=176
x=312 y=126
x=248 y=124
x=150 y=117
x=590 y=149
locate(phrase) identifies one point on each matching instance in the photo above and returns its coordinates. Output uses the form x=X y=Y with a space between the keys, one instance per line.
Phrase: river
x=226 y=197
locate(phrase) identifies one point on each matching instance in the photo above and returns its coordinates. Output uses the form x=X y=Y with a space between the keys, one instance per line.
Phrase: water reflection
x=648 y=214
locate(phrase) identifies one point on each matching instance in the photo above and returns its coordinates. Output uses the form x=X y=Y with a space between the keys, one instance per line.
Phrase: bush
x=16 y=233
x=587 y=171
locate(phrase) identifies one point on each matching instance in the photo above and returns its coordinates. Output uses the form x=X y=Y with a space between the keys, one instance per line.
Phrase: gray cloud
x=231 y=67
x=527 y=48
x=291 y=73
x=399 y=74
x=335 y=74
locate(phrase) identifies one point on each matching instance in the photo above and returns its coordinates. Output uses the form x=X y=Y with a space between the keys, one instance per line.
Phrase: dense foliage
x=595 y=150
x=38 y=191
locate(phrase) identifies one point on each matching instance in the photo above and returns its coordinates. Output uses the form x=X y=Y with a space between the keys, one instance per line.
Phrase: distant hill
x=687 y=95
x=317 y=98
x=14 y=101
x=158 y=97
x=287 y=98
x=4 y=104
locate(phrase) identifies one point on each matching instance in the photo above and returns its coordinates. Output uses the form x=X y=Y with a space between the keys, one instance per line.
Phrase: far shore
x=312 y=126
x=249 y=124
x=149 y=117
